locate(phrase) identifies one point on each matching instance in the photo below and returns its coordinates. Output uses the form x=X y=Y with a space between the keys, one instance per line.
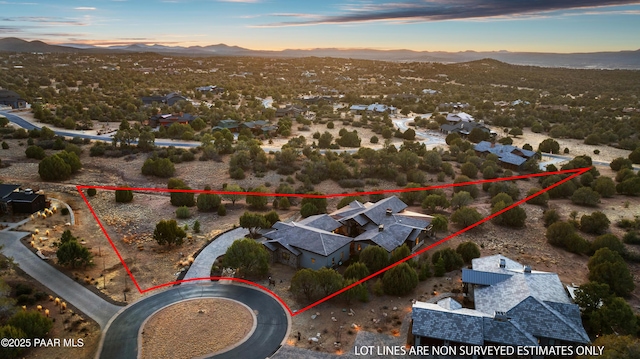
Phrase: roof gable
x=308 y=238
x=433 y=321
x=543 y=321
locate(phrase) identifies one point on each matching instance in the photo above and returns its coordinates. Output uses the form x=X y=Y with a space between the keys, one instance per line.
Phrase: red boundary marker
x=573 y=174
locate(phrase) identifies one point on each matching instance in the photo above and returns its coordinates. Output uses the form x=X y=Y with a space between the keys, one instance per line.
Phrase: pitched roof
x=507 y=332
x=463 y=127
x=443 y=320
x=506 y=153
x=534 y=306
x=541 y=320
x=507 y=294
x=373 y=212
x=7 y=189
x=22 y=197
x=321 y=221
x=8 y=94
x=311 y=239
x=483 y=278
x=390 y=238
x=460 y=116
x=460 y=326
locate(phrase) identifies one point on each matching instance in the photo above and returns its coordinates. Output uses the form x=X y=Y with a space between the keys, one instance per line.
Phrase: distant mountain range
x=593 y=60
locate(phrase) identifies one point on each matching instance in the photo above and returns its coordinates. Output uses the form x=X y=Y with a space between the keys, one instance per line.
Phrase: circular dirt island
x=195 y=328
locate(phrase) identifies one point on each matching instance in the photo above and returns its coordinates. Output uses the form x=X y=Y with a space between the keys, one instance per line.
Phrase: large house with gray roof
x=509 y=156
x=514 y=306
x=327 y=240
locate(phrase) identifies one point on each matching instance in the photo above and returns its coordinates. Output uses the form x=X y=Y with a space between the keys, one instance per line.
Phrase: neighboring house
x=375 y=108
x=229 y=124
x=210 y=88
x=327 y=240
x=514 y=306
x=465 y=128
x=170 y=99
x=14 y=200
x=453 y=106
x=520 y=102
x=509 y=156
x=457 y=117
x=167 y=120
x=10 y=98
x=315 y=99
x=259 y=127
x=309 y=243
x=291 y=111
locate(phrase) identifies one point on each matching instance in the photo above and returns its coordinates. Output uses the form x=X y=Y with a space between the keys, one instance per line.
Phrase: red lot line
x=574 y=173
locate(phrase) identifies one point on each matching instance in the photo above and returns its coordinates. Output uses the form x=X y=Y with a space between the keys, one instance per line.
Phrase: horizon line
x=109 y=44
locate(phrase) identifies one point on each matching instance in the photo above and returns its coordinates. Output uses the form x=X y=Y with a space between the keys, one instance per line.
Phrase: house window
x=359 y=247
x=341 y=255
x=333 y=261
x=285 y=256
x=417 y=239
x=313 y=260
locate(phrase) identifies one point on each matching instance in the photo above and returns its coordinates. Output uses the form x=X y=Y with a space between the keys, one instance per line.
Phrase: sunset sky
x=431 y=25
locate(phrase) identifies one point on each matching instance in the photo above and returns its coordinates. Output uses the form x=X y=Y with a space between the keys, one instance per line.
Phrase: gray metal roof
x=375 y=212
x=492 y=264
x=507 y=294
x=7 y=189
x=535 y=304
x=543 y=321
x=390 y=238
x=506 y=333
x=321 y=221
x=460 y=326
x=449 y=303
x=295 y=235
x=483 y=278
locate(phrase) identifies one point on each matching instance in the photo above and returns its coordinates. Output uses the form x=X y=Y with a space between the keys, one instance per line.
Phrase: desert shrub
x=35 y=152
x=541 y=200
x=400 y=280
x=468 y=251
x=595 y=223
x=631 y=238
x=585 y=196
x=183 y=212
x=550 y=217
x=563 y=234
x=452 y=259
x=124 y=196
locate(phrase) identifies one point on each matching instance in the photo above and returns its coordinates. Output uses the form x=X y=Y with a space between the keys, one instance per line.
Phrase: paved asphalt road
x=121 y=337
x=201 y=266
x=66 y=288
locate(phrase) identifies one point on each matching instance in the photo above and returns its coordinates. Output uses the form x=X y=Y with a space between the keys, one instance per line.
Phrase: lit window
x=313 y=260
x=359 y=247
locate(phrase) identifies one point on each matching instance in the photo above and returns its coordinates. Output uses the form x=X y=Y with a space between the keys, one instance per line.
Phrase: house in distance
x=12 y=99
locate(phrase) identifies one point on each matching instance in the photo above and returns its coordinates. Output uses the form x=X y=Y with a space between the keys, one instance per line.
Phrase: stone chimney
x=527 y=269
x=389 y=211
x=381 y=228
x=503 y=263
